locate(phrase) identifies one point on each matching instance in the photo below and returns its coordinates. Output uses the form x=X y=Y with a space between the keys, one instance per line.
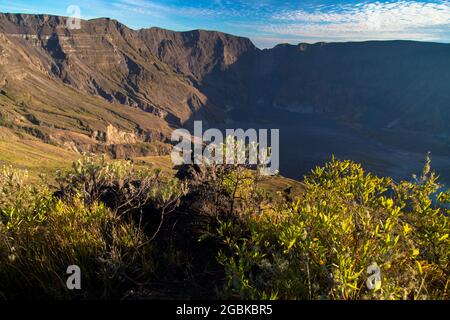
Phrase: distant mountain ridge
x=107 y=86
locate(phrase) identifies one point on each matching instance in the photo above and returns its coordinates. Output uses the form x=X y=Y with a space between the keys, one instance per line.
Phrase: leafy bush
x=135 y=234
x=87 y=222
x=321 y=246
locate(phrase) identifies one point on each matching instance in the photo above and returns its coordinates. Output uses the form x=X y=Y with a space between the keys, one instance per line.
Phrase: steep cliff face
x=390 y=84
x=196 y=53
x=217 y=64
x=69 y=86
x=107 y=59
x=42 y=93
x=105 y=84
x=379 y=84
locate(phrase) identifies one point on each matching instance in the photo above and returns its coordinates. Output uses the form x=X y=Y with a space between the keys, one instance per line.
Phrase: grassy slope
x=33 y=155
x=270 y=183
x=37 y=157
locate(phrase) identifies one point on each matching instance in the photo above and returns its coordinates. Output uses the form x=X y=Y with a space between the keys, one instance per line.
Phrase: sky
x=268 y=22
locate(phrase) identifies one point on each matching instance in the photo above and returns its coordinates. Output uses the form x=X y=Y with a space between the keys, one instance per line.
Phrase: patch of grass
x=35 y=156
x=162 y=162
x=271 y=184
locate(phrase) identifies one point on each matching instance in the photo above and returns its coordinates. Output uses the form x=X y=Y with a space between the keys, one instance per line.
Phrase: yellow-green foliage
x=41 y=234
x=321 y=246
x=109 y=218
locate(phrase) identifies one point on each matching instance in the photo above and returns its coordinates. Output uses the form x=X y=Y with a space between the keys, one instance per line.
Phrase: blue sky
x=268 y=22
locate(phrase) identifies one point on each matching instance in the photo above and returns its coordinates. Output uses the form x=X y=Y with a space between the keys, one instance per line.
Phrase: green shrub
x=321 y=246
x=88 y=223
x=132 y=229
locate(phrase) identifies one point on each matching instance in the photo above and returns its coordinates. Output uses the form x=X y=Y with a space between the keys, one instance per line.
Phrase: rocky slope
x=101 y=84
x=397 y=84
x=381 y=84
x=109 y=88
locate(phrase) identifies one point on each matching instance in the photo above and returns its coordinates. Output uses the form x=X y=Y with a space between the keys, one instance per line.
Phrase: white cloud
x=155 y=9
x=392 y=20
x=266 y=22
